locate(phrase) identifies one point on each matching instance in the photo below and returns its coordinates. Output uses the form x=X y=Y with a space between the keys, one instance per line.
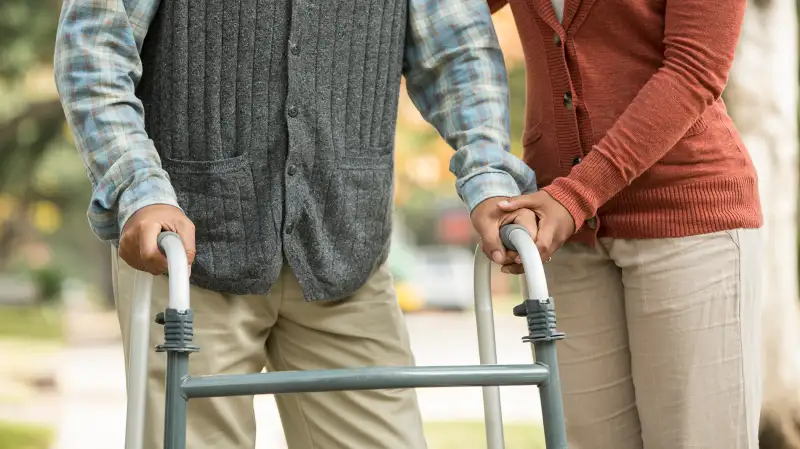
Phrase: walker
x=178 y=322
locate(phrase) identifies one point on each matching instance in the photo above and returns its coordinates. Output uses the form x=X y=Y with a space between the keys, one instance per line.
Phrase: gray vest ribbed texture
x=275 y=120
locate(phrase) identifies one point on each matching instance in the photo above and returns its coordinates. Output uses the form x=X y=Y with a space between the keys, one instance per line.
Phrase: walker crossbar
x=378 y=378
x=178 y=321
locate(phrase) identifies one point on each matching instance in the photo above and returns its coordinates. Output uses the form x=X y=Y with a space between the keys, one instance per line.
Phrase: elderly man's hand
x=138 y=246
x=488 y=218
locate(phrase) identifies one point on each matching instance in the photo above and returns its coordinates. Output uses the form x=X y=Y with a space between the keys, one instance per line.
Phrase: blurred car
x=443 y=275
x=408 y=297
x=430 y=277
x=435 y=277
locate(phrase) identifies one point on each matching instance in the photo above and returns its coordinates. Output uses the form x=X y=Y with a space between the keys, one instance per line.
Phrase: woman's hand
x=556 y=224
x=487 y=219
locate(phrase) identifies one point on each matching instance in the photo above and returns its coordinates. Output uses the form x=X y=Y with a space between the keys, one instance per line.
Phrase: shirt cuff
x=150 y=191
x=479 y=188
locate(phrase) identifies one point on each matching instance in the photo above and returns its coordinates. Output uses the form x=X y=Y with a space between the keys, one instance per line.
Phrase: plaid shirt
x=454 y=69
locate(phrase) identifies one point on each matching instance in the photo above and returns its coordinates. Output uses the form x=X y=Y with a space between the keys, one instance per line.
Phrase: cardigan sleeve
x=700 y=39
x=496 y=5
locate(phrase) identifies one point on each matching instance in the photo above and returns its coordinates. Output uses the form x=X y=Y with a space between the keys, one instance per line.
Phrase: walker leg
x=555 y=432
x=542 y=334
x=178 y=336
x=175 y=412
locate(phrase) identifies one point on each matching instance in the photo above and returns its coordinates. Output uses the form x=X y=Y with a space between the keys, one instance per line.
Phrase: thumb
x=492 y=245
x=544 y=239
x=529 y=220
x=528 y=201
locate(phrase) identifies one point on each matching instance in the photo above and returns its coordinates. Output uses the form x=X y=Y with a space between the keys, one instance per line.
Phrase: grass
x=30 y=323
x=24 y=436
x=472 y=435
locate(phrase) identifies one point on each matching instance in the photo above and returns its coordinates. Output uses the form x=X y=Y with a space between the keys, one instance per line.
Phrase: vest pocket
x=360 y=213
x=219 y=197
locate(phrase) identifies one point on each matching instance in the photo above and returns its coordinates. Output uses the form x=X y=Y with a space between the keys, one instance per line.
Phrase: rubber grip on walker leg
x=541 y=318
x=505 y=235
x=164 y=235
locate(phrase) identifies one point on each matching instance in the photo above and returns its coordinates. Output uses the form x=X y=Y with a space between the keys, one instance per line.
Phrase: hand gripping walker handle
x=171 y=244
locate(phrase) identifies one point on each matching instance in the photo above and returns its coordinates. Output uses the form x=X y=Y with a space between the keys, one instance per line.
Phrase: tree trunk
x=762 y=98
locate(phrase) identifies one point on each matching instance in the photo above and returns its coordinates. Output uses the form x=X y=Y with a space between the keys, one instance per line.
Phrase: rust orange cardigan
x=625 y=125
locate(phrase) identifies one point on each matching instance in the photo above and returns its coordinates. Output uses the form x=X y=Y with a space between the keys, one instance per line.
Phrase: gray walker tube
x=178 y=329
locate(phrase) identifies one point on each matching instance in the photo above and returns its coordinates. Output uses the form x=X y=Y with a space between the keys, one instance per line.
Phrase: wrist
x=578 y=206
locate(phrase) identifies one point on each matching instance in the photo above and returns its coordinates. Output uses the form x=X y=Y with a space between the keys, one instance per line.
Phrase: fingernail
x=497 y=257
x=518 y=260
x=504 y=203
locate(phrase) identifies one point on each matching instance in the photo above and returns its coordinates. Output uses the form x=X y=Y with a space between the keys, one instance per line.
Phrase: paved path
x=92 y=410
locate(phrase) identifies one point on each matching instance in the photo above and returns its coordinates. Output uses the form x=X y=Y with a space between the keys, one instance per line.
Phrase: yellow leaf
x=46 y=217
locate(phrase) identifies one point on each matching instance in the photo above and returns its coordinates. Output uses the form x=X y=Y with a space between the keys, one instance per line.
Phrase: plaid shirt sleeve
x=97 y=67
x=456 y=77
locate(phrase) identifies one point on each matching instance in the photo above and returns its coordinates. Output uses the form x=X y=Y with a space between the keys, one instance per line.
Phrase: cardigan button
x=557 y=39
x=576 y=161
x=568 y=100
x=592 y=223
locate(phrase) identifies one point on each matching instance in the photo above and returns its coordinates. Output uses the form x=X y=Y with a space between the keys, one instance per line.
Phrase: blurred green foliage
x=43 y=186
x=29 y=323
x=24 y=436
x=28 y=28
x=49 y=280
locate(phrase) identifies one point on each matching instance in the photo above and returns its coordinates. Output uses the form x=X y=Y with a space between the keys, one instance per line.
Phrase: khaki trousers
x=662 y=348
x=281 y=331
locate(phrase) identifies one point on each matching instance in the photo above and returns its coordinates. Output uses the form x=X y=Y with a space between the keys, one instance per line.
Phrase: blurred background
x=61 y=368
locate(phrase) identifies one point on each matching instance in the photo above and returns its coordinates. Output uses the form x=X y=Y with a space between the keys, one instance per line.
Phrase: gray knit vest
x=275 y=121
